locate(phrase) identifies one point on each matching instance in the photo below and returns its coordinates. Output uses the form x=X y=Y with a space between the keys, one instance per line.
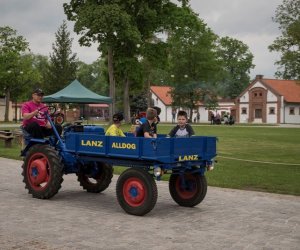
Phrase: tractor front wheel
x=42 y=171
x=136 y=191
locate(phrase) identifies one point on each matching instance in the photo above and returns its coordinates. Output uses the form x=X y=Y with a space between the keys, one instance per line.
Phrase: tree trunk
x=148 y=93
x=126 y=100
x=191 y=114
x=7 y=99
x=112 y=84
x=16 y=112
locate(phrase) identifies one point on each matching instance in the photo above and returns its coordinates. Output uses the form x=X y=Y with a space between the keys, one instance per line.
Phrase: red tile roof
x=163 y=93
x=289 y=89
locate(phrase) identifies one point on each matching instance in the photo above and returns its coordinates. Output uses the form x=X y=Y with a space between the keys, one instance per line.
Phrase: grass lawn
x=272 y=154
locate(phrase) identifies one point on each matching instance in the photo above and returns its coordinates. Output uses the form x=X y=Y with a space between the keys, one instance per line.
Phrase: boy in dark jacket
x=148 y=129
x=183 y=129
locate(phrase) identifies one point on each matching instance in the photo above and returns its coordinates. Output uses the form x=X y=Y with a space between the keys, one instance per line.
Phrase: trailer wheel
x=136 y=191
x=187 y=190
x=99 y=182
x=42 y=171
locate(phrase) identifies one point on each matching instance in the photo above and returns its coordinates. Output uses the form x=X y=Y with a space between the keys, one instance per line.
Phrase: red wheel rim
x=38 y=171
x=59 y=119
x=134 y=192
x=188 y=189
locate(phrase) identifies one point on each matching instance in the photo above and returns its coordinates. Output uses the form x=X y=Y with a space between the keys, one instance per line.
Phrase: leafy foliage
x=193 y=94
x=192 y=51
x=63 y=64
x=288 y=44
x=236 y=61
x=16 y=72
x=94 y=76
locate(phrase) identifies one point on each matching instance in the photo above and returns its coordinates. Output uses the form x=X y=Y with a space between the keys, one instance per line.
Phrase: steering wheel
x=50 y=109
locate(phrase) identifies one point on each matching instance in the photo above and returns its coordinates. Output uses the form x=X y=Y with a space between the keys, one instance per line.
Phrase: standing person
x=183 y=129
x=34 y=121
x=212 y=118
x=198 y=117
x=148 y=129
x=173 y=115
x=114 y=129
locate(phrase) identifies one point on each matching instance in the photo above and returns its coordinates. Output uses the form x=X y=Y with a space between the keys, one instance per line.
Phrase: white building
x=269 y=101
x=161 y=97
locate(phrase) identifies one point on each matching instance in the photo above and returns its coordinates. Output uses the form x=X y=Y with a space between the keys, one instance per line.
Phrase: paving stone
x=75 y=219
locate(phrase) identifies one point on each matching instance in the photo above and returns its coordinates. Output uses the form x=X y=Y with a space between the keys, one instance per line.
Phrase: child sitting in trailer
x=135 y=126
x=182 y=129
x=114 y=129
x=148 y=129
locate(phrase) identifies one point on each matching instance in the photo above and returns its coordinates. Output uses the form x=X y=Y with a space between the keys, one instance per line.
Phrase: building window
x=244 y=111
x=255 y=94
x=272 y=111
x=292 y=111
x=260 y=94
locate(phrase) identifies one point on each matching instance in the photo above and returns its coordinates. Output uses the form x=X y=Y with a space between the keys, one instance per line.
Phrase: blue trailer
x=85 y=151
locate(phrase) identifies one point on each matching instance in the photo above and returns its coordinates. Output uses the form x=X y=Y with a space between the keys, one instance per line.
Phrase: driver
x=34 y=122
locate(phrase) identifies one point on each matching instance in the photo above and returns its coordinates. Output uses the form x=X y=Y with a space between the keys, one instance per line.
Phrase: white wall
x=244 y=117
x=271 y=118
x=292 y=118
x=2 y=110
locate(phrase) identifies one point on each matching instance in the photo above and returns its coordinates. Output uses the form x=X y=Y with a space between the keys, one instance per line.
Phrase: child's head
x=182 y=118
x=117 y=118
x=151 y=114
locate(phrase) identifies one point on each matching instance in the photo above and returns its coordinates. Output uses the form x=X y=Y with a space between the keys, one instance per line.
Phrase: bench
x=18 y=134
x=7 y=136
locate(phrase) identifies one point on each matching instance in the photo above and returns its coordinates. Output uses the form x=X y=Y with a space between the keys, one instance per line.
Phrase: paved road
x=74 y=219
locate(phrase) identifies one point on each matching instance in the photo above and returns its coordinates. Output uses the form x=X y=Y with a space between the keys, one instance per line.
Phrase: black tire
x=98 y=183
x=190 y=194
x=42 y=171
x=136 y=191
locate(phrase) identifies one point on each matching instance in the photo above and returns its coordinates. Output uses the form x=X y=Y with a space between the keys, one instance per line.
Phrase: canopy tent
x=75 y=92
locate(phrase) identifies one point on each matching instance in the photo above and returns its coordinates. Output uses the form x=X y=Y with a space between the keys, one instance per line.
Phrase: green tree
x=154 y=62
x=12 y=47
x=25 y=77
x=287 y=15
x=192 y=59
x=235 y=60
x=192 y=55
x=116 y=26
x=190 y=95
x=41 y=64
x=63 y=63
x=93 y=76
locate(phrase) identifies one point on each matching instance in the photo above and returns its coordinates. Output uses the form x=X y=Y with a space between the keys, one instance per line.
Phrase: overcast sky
x=249 y=21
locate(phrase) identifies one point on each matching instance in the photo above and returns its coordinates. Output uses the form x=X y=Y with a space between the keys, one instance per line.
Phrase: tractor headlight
x=210 y=165
x=157 y=171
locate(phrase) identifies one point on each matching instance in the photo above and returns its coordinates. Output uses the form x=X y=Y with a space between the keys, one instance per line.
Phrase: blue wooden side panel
x=164 y=150
x=157 y=149
x=125 y=147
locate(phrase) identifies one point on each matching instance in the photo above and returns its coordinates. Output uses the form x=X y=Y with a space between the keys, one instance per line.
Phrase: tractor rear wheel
x=98 y=182
x=42 y=171
x=187 y=190
x=136 y=191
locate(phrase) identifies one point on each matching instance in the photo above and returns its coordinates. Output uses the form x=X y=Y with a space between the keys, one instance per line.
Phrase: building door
x=257 y=113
